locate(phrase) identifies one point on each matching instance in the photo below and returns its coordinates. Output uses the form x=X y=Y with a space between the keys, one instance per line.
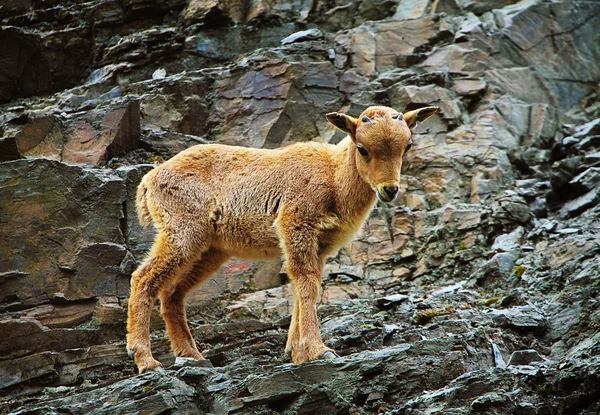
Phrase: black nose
x=390 y=191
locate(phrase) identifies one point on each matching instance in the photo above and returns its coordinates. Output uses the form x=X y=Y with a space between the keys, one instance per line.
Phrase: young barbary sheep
x=303 y=202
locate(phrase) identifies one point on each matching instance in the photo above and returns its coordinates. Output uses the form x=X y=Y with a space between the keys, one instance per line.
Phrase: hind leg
x=173 y=302
x=165 y=262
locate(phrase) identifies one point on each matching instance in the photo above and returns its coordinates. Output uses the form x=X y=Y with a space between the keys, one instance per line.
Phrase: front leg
x=310 y=345
x=293 y=340
x=300 y=244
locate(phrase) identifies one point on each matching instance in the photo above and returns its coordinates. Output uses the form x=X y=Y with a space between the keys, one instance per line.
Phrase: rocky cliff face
x=475 y=292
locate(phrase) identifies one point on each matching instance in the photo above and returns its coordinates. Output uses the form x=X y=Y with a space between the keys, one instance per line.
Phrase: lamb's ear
x=344 y=122
x=419 y=115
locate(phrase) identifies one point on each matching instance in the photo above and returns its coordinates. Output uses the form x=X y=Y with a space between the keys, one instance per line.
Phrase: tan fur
x=213 y=202
x=141 y=204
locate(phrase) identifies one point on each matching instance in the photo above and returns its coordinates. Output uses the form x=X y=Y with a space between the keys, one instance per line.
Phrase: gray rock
x=449 y=289
x=498 y=359
x=339 y=324
x=511 y=208
x=25 y=369
x=57 y=60
x=342 y=376
x=520 y=317
x=488 y=401
x=590 y=128
x=588 y=142
x=519 y=25
x=189 y=362
x=409 y=9
x=580 y=204
x=391 y=300
x=543 y=125
x=150 y=393
x=568 y=231
x=592 y=157
x=92 y=136
x=563 y=171
x=8 y=149
x=303 y=36
x=524 y=357
x=497 y=269
x=80 y=251
x=510 y=241
x=539 y=207
x=159 y=74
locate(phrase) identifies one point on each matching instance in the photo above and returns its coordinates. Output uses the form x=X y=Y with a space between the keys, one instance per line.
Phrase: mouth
x=383 y=198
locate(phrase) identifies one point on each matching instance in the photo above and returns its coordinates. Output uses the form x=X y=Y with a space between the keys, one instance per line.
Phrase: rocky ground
x=475 y=292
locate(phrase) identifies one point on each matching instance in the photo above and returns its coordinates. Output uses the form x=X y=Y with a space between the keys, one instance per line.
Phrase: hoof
x=329 y=355
x=131 y=353
x=158 y=369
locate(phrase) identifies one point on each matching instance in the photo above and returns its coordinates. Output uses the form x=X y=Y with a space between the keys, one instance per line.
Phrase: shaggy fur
x=213 y=202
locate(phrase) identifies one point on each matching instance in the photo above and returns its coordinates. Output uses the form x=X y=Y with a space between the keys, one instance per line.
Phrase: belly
x=249 y=237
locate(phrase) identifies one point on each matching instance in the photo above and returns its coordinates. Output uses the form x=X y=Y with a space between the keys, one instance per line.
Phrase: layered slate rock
x=40 y=63
x=93 y=137
x=475 y=291
x=64 y=238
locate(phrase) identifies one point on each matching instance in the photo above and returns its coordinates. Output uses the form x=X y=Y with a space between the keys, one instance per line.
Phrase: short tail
x=142 y=204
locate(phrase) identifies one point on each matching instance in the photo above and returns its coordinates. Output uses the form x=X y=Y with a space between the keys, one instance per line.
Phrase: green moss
x=156 y=160
x=461 y=247
x=490 y=301
x=423 y=317
x=147 y=388
x=352 y=411
x=114 y=166
x=519 y=271
x=428 y=280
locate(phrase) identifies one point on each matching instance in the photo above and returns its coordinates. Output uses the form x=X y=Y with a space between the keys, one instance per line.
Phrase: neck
x=355 y=198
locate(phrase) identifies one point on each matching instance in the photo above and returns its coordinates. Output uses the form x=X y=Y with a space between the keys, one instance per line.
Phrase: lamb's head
x=381 y=136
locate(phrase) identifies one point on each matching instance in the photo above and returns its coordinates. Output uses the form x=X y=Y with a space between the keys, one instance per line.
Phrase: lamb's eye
x=408 y=146
x=363 y=152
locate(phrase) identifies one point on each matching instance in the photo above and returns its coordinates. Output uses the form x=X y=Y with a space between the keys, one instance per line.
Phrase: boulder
x=379 y=47
x=93 y=138
x=510 y=241
x=581 y=204
x=66 y=243
x=524 y=357
x=32 y=63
